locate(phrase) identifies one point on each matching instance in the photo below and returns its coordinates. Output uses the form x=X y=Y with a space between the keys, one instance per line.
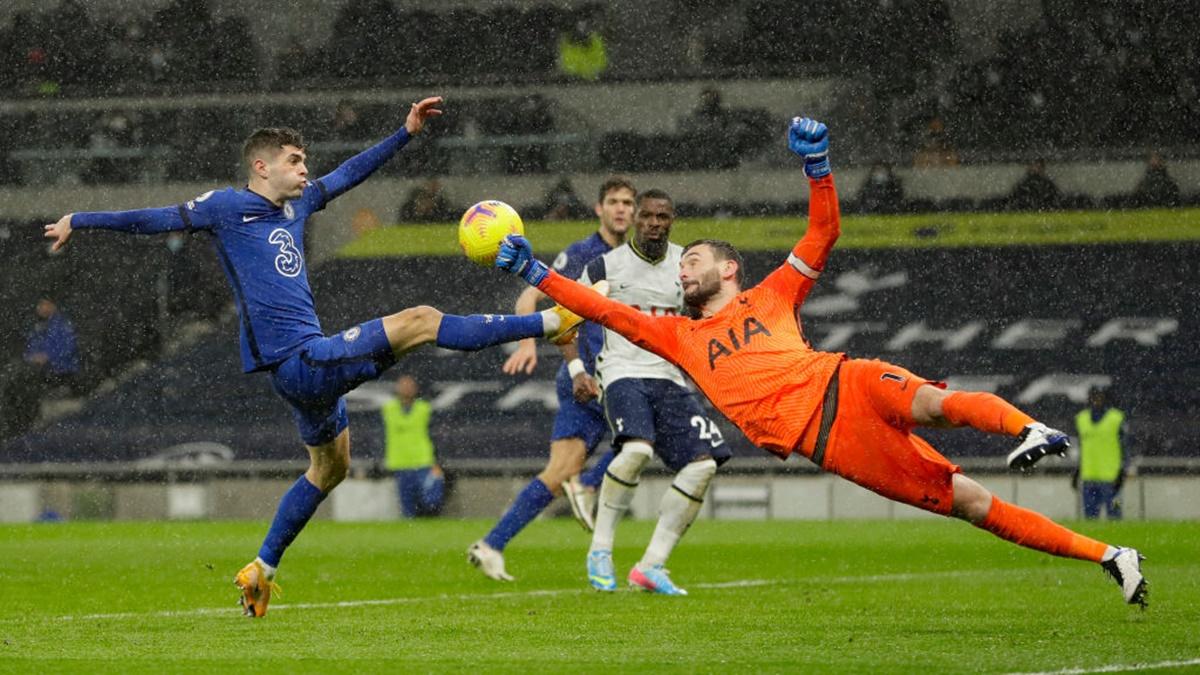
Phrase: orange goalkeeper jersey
x=751 y=358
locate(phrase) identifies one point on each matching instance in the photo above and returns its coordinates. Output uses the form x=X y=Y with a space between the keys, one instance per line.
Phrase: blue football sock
x=532 y=501
x=297 y=506
x=468 y=333
x=594 y=476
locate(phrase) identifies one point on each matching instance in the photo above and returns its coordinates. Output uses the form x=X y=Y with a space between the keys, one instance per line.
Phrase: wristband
x=534 y=272
x=817 y=166
x=575 y=367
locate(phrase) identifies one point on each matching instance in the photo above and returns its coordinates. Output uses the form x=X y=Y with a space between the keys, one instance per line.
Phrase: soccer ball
x=482 y=228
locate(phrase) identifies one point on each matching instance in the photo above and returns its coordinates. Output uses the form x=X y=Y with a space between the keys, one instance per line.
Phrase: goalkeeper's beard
x=697 y=297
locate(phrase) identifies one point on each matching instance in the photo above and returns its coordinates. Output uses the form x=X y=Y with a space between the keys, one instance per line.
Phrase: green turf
x=927 y=596
x=780 y=234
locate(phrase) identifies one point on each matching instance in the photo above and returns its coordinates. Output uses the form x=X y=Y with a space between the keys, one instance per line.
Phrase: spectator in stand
x=294 y=55
x=1156 y=188
x=883 y=191
x=239 y=65
x=51 y=360
x=935 y=147
x=561 y=202
x=1035 y=191
x=347 y=124
x=113 y=131
x=582 y=54
x=427 y=203
x=708 y=133
x=52 y=349
x=185 y=31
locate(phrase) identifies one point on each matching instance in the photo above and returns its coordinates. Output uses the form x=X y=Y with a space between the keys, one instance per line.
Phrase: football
x=482 y=228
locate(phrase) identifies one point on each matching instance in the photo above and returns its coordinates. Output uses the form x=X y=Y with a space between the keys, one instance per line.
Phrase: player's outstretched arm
x=809 y=139
x=524 y=359
x=356 y=169
x=137 y=221
x=655 y=334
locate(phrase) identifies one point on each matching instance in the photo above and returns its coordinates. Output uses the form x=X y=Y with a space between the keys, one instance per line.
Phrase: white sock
x=616 y=491
x=679 y=508
x=551 y=321
x=270 y=571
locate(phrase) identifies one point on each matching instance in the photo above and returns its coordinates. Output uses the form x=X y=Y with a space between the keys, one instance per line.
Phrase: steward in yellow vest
x=409 y=451
x=1101 y=429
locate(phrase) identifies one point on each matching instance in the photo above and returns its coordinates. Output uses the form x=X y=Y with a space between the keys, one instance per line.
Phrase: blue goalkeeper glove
x=516 y=257
x=810 y=139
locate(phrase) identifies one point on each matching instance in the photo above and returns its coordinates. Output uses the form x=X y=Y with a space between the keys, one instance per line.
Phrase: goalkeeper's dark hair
x=655 y=193
x=270 y=138
x=615 y=182
x=723 y=250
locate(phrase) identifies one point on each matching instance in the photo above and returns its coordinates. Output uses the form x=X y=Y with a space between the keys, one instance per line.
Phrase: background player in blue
x=648 y=404
x=579 y=424
x=257 y=232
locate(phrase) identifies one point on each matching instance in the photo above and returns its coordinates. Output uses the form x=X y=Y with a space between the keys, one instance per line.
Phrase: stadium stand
x=906 y=84
x=125 y=120
x=1015 y=320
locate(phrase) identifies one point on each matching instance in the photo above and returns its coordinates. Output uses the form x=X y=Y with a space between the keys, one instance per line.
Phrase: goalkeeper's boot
x=600 y=571
x=582 y=500
x=256 y=589
x=1126 y=569
x=1037 y=441
x=569 y=322
x=488 y=560
x=653 y=579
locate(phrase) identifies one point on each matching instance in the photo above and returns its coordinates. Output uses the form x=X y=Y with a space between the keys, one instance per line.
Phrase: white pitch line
x=385 y=602
x=1161 y=665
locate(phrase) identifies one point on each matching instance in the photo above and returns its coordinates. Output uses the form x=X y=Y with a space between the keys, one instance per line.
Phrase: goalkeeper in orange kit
x=746 y=351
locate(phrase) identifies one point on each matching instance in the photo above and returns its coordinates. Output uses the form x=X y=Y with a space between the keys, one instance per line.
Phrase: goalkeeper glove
x=810 y=140
x=516 y=257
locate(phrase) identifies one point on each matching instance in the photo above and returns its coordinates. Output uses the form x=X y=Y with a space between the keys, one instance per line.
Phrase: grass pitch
x=777 y=596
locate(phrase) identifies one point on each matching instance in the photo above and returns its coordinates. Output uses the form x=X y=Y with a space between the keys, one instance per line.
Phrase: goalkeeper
x=853 y=417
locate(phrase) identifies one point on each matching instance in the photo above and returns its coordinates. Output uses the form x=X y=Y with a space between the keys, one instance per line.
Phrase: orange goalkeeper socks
x=985 y=412
x=1033 y=530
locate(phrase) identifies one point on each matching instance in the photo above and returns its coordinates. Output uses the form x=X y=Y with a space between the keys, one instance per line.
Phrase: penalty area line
x=466 y=597
x=1159 y=665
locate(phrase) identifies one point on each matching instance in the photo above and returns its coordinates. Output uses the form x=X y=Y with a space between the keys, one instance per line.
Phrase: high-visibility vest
x=1100 y=445
x=584 y=60
x=407 y=432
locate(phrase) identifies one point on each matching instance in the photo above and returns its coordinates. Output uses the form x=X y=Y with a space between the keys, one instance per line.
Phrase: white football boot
x=1126 y=569
x=583 y=502
x=488 y=560
x=1037 y=441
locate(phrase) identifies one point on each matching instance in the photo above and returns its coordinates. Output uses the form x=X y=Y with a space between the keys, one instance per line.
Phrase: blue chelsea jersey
x=571 y=263
x=261 y=248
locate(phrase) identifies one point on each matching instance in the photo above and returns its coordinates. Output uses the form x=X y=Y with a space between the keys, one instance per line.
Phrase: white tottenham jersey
x=652 y=288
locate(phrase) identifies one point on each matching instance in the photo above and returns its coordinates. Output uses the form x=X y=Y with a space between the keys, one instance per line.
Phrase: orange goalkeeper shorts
x=871 y=442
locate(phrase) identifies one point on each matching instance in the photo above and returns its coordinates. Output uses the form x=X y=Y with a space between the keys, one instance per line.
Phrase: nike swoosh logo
x=246 y=219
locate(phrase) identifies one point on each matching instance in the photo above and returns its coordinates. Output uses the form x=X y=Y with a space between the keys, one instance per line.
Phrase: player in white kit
x=648 y=404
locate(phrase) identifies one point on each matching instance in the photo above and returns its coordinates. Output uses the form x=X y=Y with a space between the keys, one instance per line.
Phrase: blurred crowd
x=183 y=45
x=1111 y=76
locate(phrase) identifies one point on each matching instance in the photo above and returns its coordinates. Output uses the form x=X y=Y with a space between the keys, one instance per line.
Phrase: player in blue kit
x=579 y=425
x=258 y=235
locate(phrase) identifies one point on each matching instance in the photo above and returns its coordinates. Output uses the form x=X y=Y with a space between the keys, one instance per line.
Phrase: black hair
x=723 y=250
